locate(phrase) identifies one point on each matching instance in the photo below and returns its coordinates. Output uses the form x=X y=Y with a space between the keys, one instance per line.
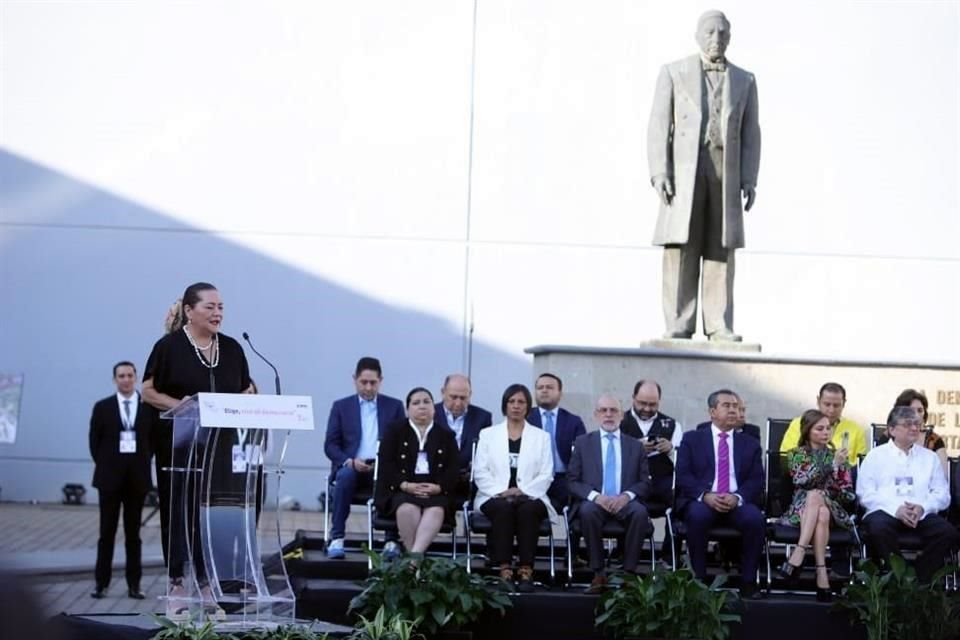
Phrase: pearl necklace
x=214 y=341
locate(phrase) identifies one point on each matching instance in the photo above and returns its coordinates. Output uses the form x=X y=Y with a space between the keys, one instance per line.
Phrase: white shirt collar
x=641 y=420
x=416 y=430
x=451 y=418
x=716 y=431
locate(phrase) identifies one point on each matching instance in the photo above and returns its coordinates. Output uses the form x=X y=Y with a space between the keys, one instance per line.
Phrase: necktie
x=126 y=410
x=610 y=468
x=715 y=66
x=723 y=464
x=550 y=426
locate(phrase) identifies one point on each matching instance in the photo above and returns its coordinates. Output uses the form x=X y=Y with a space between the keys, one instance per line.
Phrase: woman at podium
x=418 y=471
x=193 y=357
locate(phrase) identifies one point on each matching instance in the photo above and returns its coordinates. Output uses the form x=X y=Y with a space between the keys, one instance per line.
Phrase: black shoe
x=135 y=593
x=789 y=572
x=525 y=580
x=750 y=592
x=99 y=593
x=824 y=595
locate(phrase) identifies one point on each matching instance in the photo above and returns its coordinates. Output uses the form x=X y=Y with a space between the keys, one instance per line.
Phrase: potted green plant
x=666 y=604
x=383 y=628
x=893 y=603
x=437 y=592
x=188 y=630
x=285 y=632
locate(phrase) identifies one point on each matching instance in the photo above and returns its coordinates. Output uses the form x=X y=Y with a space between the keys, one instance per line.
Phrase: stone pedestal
x=773 y=386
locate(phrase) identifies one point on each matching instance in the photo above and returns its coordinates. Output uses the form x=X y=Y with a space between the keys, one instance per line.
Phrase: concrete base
x=773 y=386
x=702 y=345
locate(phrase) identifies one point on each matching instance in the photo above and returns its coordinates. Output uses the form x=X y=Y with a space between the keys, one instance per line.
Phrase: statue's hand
x=663 y=185
x=750 y=194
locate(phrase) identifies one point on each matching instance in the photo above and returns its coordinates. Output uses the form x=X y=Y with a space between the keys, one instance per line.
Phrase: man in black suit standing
x=609 y=475
x=119 y=437
x=564 y=428
x=466 y=420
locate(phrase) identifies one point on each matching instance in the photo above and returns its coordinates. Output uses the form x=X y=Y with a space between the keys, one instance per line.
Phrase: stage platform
x=555 y=610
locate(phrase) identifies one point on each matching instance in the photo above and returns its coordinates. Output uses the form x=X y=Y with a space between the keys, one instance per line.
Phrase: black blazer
x=751 y=430
x=397 y=460
x=115 y=471
x=585 y=473
x=475 y=420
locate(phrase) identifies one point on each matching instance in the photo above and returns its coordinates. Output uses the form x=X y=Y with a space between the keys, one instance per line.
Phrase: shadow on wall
x=86 y=278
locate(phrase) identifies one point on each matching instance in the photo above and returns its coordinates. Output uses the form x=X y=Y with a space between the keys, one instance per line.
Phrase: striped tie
x=723 y=464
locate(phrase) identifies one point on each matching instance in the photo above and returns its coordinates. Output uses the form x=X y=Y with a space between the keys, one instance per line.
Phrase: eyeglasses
x=909 y=425
x=608 y=410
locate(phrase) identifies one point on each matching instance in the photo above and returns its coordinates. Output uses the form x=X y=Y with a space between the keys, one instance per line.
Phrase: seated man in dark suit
x=719 y=482
x=608 y=473
x=465 y=419
x=355 y=426
x=564 y=427
x=742 y=424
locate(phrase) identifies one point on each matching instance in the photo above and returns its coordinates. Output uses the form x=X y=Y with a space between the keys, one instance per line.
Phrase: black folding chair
x=475 y=522
x=779 y=495
x=378 y=522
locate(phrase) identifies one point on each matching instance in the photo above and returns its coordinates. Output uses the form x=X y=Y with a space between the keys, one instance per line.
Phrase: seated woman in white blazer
x=513 y=469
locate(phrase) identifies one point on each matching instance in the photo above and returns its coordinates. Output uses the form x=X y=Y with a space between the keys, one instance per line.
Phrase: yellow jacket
x=858 y=441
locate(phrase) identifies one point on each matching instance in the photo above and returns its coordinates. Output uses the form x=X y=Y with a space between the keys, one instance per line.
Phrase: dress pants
x=681 y=262
x=511 y=517
x=747 y=519
x=111 y=502
x=635 y=520
x=882 y=532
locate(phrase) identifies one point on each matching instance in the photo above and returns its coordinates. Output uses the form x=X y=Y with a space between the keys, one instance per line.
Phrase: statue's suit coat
x=673 y=146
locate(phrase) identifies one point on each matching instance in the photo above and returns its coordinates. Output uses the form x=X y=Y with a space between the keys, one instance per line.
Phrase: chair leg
x=653 y=554
x=326 y=514
x=370 y=515
x=467 y=534
x=553 y=572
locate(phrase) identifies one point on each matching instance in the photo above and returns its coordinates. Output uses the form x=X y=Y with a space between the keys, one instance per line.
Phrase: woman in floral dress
x=822 y=493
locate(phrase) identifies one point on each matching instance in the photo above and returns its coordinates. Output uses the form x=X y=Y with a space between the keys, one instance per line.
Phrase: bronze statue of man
x=703 y=147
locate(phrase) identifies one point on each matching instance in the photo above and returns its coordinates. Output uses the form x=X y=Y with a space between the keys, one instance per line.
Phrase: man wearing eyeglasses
x=902 y=487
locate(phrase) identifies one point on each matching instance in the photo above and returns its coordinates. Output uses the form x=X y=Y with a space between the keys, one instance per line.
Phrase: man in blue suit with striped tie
x=356 y=425
x=719 y=482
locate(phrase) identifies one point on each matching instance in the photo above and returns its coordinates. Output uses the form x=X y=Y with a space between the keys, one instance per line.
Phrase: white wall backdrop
x=316 y=160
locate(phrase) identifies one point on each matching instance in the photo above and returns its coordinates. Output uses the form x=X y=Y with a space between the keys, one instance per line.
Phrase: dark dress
x=813 y=469
x=399 y=450
x=176 y=371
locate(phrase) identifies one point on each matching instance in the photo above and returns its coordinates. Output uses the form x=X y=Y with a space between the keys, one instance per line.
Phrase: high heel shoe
x=790 y=572
x=824 y=594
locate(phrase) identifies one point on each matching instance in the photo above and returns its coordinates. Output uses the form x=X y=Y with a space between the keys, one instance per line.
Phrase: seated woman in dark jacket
x=418 y=471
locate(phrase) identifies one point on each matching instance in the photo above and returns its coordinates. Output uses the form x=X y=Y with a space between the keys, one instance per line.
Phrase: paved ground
x=53 y=549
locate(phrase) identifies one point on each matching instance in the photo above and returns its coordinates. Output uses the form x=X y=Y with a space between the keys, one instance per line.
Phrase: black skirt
x=402 y=497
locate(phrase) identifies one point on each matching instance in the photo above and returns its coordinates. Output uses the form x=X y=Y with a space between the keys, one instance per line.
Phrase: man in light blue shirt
x=354 y=429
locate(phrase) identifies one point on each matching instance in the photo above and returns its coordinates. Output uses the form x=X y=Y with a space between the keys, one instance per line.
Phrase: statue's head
x=713 y=34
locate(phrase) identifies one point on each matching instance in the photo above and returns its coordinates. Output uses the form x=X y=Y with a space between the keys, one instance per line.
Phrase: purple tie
x=723 y=465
